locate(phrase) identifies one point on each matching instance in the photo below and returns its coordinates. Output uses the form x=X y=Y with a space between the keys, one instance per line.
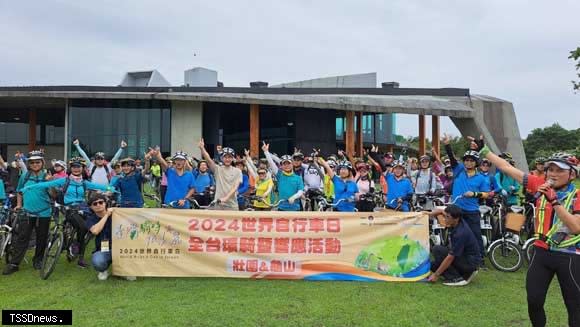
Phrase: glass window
x=100 y=125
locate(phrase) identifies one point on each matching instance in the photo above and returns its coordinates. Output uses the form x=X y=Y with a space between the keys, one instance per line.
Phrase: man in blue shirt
x=180 y=182
x=459 y=264
x=290 y=185
x=468 y=187
x=344 y=187
x=400 y=188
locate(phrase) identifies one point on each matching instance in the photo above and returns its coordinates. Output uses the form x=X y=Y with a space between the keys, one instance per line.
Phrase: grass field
x=494 y=299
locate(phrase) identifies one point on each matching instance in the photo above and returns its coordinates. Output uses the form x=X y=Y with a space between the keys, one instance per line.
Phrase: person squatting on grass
x=458 y=264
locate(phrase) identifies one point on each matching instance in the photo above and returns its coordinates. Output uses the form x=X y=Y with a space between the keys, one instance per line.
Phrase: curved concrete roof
x=452 y=106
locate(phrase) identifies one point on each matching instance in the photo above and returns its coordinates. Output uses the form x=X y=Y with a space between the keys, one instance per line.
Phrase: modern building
x=343 y=111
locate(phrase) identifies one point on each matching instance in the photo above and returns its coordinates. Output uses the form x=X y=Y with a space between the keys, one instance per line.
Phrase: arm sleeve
x=84 y=155
x=271 y=162
x=22 y=165
x=451 y=156
x=115 y=157
x=45 y=185
x=244 y=186
x=252 y=170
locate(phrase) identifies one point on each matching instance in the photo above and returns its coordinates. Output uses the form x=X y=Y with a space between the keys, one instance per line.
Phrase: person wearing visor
x=557 y=224
x=180 y=181
x=469 y=187
x=290 y=185
x=539 y=168
x=227 y=177
x=100 y=171
x=129 y=183
x=36 y=208
x=73 y=189
x=345 y=188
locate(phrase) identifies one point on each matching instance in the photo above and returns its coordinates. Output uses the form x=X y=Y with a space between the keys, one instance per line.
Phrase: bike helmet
x=36 y=155
x=179 y=155
x=76 y=161
x=564 y=161
x=345 y=164
x=60 y=163
x=331 y=163
x=485 y=161
x=471 y=154
x=99 y=155
x=298 y=156
x=425 y=157
x=129 y=161
x=228 y=151
x=400 y=163
x=285 y=158
x=540 y=160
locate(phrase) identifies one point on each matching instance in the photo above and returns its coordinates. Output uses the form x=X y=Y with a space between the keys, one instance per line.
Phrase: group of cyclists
x=299 y=182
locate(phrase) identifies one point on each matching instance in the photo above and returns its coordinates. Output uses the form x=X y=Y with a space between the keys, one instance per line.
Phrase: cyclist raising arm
x=100 y=171
x=344 y=187
x=290 y=185
x=227 y=177
x=558 y=226
x=180 y=181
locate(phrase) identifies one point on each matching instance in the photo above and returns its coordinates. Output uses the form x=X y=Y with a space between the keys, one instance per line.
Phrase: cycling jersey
x=36 y=202
x=463 y=183
x=398 y=188
x=344 y=190
x=312 y=177
x=288 y=185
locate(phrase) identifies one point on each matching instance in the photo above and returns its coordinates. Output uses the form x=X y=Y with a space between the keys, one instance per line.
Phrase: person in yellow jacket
x=328 y=185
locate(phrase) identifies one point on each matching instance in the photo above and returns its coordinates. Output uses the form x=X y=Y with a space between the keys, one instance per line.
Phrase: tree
x=542 y=142
x=575 y=55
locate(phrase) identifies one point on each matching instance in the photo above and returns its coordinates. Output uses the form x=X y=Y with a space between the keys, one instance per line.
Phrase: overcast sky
x=514 y=50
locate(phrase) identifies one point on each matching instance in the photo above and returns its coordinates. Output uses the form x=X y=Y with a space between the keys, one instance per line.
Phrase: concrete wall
x=496 y=120
x=186 y=126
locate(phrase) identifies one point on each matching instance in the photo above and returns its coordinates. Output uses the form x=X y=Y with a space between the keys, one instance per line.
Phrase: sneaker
x=131 y=278
x=472 y=276
x=103 y=275
x=10 y=269
x=74 y=250
x=82 y=263
x=456 y=282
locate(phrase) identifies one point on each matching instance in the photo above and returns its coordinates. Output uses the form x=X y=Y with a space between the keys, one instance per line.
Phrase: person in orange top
x=557 y=250
x=540 y=168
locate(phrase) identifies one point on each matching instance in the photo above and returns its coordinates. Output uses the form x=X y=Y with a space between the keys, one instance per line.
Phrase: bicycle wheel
x=51 y=254
x=506 y=256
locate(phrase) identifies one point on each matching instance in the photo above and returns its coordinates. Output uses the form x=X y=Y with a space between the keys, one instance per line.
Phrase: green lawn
x=494 y=299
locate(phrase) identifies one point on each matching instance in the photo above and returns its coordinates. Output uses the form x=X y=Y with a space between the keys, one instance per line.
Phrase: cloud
x=513 y=50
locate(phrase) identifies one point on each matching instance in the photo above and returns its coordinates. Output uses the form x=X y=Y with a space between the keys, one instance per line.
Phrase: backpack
x=431 y=175
x=109 y=176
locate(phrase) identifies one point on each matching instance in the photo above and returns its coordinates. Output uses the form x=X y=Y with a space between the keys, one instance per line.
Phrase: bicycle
x=62 y=236
x=331 y=206
x=505 y=253
x=8 y=222
x=313 y=200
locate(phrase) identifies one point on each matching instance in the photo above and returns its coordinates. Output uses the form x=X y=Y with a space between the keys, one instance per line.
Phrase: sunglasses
x=261 y=173
x=35 y=162
x=98 y=202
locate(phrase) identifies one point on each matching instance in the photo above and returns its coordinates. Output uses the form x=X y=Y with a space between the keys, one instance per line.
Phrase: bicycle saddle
x=484 y=209
x=517 y=209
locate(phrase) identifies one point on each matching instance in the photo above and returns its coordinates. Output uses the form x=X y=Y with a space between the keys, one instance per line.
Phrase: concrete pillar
x=254 y=130
x=349 y=137
x=422 y=132
x=31 y=129
x=186 y=126
x=435 y=132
